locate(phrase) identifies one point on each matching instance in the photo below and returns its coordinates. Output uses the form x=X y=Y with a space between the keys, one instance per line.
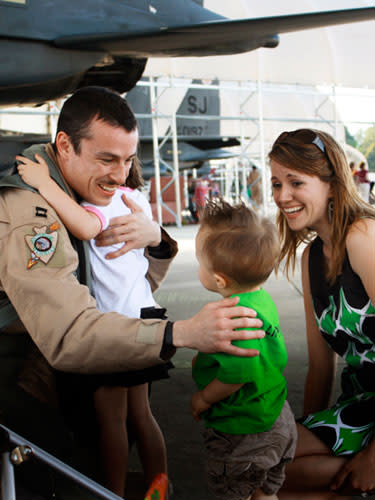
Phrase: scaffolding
x=248 y=124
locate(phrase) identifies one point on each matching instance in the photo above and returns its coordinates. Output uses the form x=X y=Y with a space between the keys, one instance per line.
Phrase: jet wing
x=210 y=38
x=189 y=153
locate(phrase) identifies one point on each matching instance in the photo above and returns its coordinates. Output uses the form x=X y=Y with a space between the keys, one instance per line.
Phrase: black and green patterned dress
x=346 y=319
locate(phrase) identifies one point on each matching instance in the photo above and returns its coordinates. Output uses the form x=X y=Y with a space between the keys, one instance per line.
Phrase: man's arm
x=219 y=321
x=160 y=259
x=61 y=316
x=214 y=392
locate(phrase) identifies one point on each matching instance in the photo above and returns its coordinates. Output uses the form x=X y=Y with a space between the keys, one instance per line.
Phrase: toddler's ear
x=221 y=281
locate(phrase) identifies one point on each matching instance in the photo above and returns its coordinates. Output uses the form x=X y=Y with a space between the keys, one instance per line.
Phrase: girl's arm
x=322 y=359
x=82 y=224
x=360 y=244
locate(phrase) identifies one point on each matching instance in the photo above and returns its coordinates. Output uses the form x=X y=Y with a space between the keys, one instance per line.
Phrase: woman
x=319 y=205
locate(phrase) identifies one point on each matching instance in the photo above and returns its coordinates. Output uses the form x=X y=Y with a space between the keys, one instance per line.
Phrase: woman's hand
x=358 y=473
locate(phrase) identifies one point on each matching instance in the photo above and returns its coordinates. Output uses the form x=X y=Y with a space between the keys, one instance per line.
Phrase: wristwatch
x=168 y=349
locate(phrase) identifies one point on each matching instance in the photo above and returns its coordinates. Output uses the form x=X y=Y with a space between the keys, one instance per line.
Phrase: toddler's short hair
x=239 y=243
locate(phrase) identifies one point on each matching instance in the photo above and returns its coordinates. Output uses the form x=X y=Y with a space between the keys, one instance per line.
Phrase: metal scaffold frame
x=237 y=169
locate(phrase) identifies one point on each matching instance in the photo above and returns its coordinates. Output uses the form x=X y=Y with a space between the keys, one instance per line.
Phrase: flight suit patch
x=42 y=244
x=40 y=212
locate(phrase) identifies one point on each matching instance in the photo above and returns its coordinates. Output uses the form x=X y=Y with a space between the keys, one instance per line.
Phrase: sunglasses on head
x=305 y=136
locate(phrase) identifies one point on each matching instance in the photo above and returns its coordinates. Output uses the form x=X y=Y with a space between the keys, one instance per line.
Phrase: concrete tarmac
x=183 y=296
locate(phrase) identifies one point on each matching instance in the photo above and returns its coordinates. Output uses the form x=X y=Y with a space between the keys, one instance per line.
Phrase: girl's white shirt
x=120 y=284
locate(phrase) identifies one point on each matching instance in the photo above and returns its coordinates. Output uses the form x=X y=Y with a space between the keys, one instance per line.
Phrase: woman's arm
x=82 y=224
x=359 y=472
x=322 y=359
x=360 y=245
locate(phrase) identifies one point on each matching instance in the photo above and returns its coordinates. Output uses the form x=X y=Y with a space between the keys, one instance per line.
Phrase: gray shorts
x=237 y=465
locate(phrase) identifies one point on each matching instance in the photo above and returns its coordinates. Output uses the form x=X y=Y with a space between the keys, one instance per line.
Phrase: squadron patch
x=42 y=243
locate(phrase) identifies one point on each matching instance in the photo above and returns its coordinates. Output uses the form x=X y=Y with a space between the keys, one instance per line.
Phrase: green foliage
x=366 y=144
x=155 y=495
x=349 y=139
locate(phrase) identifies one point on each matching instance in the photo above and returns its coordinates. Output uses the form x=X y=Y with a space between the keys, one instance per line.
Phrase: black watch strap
x=168 y=349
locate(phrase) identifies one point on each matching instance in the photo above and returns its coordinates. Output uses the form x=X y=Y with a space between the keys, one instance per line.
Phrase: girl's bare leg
x=260 y=495
x=311 y=471
x=111 y=411
x=147 y=433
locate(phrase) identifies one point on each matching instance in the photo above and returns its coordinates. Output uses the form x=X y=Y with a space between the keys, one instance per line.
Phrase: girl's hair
x=316 y=153
x=135 y=179
x=239 y=243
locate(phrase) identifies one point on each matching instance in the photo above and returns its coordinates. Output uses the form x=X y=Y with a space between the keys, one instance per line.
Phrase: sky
x=356 y=105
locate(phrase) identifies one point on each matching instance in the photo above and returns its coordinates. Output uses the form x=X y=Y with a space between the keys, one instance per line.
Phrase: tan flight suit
x=37 y=272
x=58 y=312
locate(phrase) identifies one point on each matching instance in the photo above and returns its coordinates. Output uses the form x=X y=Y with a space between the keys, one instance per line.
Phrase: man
x=59 y=326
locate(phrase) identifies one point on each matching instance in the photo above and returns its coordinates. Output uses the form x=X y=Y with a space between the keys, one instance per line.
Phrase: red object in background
x=169 y=198
x=158 y=488
x=201 y=193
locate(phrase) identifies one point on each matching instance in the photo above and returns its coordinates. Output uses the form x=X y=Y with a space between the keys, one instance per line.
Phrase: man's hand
x=34 y=173
x=135 y=230
x=198 y=405
x=212 y=329
x=358 y=474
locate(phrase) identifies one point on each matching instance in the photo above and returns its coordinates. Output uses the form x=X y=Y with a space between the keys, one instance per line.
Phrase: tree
x=349 y=139
x=367 y=146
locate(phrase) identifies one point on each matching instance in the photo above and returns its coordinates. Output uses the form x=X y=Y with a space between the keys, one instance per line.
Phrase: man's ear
x=221 y=281
x=63 y=144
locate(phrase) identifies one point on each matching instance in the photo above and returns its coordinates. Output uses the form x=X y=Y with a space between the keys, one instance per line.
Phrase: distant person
x=363 y=181
x=353 y=169
x=118 y=285
x=254 y=187
x=319 y=203
x=214 y=189
x=191 y=203
x=201 y=194
x=250 y=429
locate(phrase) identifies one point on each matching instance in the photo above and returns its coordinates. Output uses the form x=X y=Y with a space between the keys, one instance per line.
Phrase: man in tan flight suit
x=58 y=325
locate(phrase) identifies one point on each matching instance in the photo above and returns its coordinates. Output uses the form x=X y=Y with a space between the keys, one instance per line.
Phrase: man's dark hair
x=97 y=103
x=90 y=103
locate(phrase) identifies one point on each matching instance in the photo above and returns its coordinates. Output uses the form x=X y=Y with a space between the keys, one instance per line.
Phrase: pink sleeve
x=99 y=214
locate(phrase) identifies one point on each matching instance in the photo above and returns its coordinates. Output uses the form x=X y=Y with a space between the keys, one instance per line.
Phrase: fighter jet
x=49 y=49
x=197 y=126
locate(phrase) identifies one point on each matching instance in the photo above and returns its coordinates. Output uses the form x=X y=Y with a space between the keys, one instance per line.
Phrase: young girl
x=319 y=204
x=119 y=285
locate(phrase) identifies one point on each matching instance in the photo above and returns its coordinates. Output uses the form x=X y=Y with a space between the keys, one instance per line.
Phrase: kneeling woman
x=319 y=205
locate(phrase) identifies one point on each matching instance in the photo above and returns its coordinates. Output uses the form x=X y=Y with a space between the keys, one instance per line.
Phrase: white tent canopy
x=340 y=55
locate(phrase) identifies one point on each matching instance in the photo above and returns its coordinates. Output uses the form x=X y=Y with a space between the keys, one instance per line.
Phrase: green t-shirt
x=257 y=404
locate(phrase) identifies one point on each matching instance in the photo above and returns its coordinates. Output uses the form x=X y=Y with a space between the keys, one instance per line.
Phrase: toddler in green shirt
x=250 y=430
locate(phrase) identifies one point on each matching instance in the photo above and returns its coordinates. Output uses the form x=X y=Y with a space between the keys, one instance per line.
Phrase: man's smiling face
x=102 y=164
